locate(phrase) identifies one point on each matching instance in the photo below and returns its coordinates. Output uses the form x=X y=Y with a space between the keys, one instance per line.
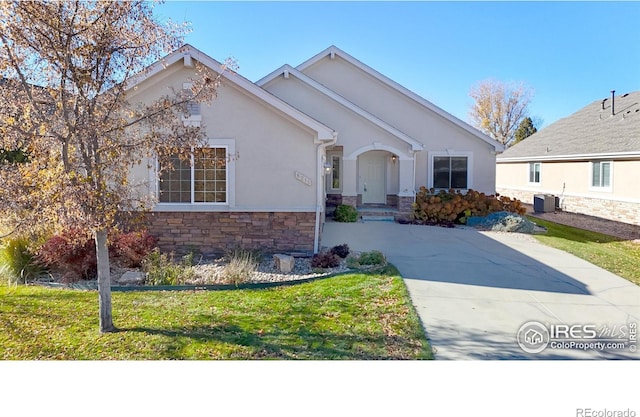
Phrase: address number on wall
x=303 y=179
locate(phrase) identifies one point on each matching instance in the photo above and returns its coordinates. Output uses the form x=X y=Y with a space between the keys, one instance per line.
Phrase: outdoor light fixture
x=394 y=158
x=327 y=167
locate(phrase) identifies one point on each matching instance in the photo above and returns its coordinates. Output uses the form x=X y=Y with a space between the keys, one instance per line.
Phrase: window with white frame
x=601 y=175
x=202 y=179
x=534 y=172
x=336 y=176
x=450 y=172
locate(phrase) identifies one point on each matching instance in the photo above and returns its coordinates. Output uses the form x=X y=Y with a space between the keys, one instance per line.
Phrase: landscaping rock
x=284 y=263
x=131 y=278
x=502 y=221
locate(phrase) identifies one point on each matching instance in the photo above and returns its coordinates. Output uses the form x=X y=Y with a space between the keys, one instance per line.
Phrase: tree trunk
x=104 y=282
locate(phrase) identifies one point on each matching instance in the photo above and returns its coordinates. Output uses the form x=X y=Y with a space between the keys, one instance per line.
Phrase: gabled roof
x=187 y=52
x=591 y=132
x=287 y=70
x=333 y=50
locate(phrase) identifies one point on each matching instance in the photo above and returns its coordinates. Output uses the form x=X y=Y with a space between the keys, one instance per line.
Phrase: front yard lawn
x=351 y=316
x=615 y=255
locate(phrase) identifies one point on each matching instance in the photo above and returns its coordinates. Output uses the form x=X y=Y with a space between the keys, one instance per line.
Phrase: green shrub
x=160 y=269
x=346 y=214
x=367 y=259
x=17 y=263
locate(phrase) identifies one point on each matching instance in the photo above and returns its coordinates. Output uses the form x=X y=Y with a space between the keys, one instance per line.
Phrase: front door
x=373 y=170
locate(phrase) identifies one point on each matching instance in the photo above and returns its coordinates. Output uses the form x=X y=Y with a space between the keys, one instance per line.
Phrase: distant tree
x=499 y=108
x=68 y=135
x=525 y=130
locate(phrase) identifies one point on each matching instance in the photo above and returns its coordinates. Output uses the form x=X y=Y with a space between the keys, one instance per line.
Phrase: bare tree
x=64 y=68
x=499 y=108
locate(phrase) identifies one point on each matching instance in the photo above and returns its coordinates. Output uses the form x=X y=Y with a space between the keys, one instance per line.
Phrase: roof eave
x=290 y=71
x=576 y=157
x=324 y=133
x=334 y=50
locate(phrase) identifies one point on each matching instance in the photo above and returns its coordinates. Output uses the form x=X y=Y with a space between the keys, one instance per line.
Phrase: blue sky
x=570 y=53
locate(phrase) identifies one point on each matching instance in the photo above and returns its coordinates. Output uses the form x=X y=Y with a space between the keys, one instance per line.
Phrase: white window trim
x=229 y=144
x=451 y=153
x=533 y=183
x=606 y=189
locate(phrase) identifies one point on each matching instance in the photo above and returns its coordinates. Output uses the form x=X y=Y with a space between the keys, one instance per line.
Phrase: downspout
x=320 y=188
x=413 y=183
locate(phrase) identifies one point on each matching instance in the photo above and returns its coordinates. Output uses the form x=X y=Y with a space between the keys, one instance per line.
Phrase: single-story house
x=331 y=129
x=589 y=160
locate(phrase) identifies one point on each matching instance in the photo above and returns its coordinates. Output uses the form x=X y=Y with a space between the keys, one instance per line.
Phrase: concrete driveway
x=475 y=290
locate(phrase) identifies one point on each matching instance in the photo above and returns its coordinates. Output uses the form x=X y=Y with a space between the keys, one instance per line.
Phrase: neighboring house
x=589 y=160
x=330 y=129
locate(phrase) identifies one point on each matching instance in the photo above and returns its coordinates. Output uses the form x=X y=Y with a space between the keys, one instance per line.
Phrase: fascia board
x=576 y=157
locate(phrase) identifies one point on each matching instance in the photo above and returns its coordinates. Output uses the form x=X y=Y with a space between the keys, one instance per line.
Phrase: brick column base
x=405 y=207
x=350 y=200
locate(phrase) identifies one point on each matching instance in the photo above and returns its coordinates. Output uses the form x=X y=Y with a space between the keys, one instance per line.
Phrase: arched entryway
x=371 y=176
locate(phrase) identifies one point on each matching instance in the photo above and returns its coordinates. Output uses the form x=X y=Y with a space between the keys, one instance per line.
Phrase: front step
x=377 y=214
x=372 y=213
x=376 y=218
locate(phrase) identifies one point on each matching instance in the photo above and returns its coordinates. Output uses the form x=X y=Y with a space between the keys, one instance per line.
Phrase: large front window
x=203 y=179
x=450 y=172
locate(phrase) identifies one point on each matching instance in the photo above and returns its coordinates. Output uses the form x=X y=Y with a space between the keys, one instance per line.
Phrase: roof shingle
x=591 y=130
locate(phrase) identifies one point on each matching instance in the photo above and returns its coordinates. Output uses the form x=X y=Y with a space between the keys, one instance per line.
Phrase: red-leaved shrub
x=131 y=248
x=71 y=253
x=325 y=260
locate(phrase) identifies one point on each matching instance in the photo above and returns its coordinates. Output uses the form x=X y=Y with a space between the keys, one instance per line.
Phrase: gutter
x=575 y=157
x=320 y=155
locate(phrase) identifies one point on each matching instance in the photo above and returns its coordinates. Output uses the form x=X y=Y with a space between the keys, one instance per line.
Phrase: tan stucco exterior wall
x=571 y=181
x=402 y=112
x=270 y=146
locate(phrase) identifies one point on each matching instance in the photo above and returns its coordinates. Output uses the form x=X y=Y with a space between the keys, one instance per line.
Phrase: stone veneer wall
x=334 y=199
x=350 y=200
x=392 y=200
x=619 y=211
x=405 y=207
x=215 y=232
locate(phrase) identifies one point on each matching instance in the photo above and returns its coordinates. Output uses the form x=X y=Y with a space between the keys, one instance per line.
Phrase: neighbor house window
x=601 y=175
x=202 y=179
x=335 y=172
x=534 y=172
x=450 y=172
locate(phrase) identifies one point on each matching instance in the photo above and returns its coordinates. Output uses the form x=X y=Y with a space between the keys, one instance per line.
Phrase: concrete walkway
x=474 y=290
